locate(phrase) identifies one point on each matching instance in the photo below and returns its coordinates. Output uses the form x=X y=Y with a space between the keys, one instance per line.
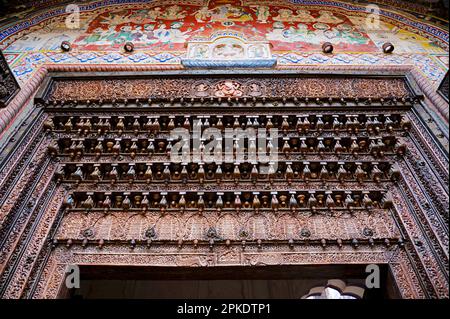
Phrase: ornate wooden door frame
x=41 y=236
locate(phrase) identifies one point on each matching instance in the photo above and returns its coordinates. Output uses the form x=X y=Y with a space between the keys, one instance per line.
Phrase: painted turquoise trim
x=197 y=63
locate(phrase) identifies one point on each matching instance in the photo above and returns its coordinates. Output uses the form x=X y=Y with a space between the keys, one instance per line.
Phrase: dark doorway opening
x=236 y=282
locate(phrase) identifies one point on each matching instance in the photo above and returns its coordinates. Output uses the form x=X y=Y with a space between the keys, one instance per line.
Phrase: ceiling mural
x=170 y=31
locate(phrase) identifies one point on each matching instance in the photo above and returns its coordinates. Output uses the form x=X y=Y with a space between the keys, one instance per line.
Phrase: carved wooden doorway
x=345 y=188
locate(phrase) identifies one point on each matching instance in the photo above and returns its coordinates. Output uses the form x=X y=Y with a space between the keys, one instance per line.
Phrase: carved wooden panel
x=195 y=87
x=8 y=83
x=93 y=183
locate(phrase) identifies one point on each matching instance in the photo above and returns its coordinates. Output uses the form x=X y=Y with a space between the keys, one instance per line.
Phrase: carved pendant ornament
x=93 y=182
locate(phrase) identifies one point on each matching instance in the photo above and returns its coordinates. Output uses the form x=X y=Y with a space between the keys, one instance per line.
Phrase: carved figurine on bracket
x=255 y=89
x=228 y=89
x=200 y=89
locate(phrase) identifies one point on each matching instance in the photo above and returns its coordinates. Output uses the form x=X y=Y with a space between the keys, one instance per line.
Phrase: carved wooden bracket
x=443 y=87
x=8 y=83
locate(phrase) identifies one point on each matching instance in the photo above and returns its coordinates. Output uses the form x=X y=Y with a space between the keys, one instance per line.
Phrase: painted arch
x=164 y=32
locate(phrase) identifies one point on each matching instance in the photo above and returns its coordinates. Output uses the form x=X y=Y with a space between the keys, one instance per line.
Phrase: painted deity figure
x=139 y=16
x=285 y=15
x=174 y=12
x=300 y=33
x=226 y=13
x=238 y=14
x=116 y=18
x=256 y=51
x=153 y=14
x=277 y=33
x=200 y=51
x=328 y=17
x=95 y=36
x=228 y=51
x=262 y=13
x=172 y=35
x=203 y=14
x=149 y=33
x=122 y=36
x=304 y=16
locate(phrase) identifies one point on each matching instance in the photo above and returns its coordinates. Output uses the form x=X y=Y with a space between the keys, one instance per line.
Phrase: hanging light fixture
x=128 y=47
x=388 y=47
x=65 y=46
x=327 y=48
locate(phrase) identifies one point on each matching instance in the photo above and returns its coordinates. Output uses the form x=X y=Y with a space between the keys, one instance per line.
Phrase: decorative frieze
x=239 y=87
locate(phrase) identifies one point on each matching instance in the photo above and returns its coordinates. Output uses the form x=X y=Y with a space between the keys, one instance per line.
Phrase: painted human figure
x=162 y=33
x=256 y=51
x=116 y=17
x=178 y=36
x=203 y=14
x=124 y=34
x=173 y=13
x=228 y=50
x=137 y=33
x=285 y=15
x=300 y=33
x=153 y=14
x=94 y=36
x=277 y=33
x=262 y=13
x=139 y=16
x=304 y=16
x=149 y=33
x=328 y=17
x=200 y=51
x=172 y=35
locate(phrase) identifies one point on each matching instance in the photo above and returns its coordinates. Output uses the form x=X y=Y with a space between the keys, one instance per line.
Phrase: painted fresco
x=167 y=33
x=155 y=27
x=169 y=28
